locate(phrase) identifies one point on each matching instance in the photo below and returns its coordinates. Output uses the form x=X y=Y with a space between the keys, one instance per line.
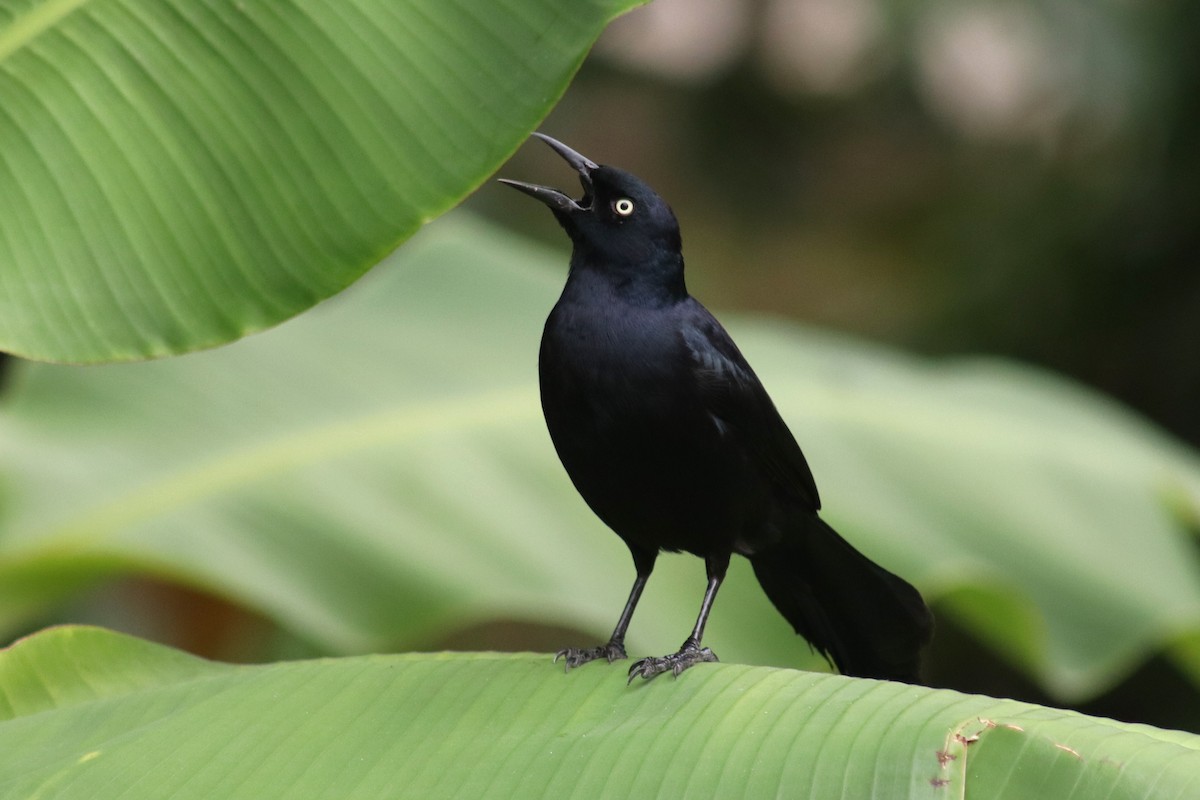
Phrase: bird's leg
x=690 y=652
x=614 y=648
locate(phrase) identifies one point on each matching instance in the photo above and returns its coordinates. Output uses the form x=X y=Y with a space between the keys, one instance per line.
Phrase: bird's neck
x=654 y=282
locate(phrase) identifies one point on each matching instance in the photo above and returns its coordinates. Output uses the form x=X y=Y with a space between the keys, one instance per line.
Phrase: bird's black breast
x=621 y=403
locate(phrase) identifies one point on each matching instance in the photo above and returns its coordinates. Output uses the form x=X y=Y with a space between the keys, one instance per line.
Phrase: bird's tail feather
x=869 y=622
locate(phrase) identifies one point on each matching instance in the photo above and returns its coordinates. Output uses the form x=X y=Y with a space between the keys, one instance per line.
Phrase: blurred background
x=1016 y=178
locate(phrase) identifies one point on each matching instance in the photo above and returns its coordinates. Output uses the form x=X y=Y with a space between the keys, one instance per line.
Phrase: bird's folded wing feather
x=741 y=407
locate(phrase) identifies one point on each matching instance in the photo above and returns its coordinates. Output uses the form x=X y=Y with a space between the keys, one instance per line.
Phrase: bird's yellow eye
x=623 y=207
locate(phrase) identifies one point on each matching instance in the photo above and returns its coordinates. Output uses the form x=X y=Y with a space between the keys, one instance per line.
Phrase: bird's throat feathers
x=635 y=274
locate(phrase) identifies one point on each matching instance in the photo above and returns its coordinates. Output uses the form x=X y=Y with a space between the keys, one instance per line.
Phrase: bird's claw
x=578 y=656
x=688 y=655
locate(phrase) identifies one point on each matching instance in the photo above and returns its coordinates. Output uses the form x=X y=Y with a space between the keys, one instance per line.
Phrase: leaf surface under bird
x=673 y=442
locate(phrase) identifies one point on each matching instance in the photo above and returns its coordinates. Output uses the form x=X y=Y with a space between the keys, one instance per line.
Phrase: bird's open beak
x=558 y=201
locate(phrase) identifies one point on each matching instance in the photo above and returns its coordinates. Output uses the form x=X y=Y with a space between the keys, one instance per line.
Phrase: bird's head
x=619 y=220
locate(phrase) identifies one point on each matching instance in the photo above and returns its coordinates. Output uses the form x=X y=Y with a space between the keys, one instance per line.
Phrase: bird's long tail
x=869 y=622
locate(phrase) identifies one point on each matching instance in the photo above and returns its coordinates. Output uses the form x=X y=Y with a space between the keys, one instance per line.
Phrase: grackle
x=672 y=441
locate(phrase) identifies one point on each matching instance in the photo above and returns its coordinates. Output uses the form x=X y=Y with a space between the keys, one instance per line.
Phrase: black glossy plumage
x=671 y=439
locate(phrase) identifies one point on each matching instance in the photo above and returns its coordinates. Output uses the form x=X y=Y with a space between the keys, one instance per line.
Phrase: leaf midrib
x=238 y=467
x=30 y=25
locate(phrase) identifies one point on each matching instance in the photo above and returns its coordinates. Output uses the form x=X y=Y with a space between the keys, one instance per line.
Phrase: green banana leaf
x=377 y=472
x=176 y=174
x=89 y=714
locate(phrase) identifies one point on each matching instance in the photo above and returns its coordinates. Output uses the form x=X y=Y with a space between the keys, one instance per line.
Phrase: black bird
x=673 y=442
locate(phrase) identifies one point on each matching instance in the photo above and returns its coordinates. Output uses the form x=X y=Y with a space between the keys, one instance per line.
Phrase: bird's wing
x=740 y=406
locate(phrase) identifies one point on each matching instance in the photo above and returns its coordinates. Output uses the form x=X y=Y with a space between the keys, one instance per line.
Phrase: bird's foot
x=690 y=654
x=578 y=656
